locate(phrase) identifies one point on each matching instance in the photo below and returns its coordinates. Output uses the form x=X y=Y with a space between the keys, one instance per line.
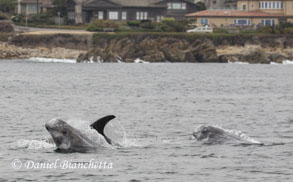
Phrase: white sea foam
x=284 y=62
x=274 y=63
x=51 y=60
x=138 y=60
x=32 y=144
x=231 y=62
x=287 y=62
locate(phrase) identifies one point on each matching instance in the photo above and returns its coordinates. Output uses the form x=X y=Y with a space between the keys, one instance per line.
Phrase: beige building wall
x=250 y=5
x=253 y=5
x=288 y=8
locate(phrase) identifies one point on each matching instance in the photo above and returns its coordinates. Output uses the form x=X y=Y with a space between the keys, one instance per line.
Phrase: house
x=253 y=13
x=221 y=4
x=32 y=6
x=125 y=10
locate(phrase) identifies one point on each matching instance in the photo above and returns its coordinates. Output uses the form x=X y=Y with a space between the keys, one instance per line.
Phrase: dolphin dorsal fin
x=100 y=124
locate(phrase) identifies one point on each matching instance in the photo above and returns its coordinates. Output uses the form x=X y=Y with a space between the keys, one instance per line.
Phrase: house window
x=176 y=6
x=242 y=22
x=71 y=15
x=243 y=7
x=268 y=22
x=271 y=5
x=204 y=21
x=101 y=15
x=31 y=8
x=113 y=15
x=183 y=5
x=141 y=15
x=145 y=15
x=124 y=15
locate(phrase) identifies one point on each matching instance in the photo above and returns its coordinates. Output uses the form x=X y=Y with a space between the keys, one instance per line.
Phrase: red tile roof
x=233 y=13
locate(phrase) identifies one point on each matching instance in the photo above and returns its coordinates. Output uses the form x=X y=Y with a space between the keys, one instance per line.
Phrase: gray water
x=157 y=107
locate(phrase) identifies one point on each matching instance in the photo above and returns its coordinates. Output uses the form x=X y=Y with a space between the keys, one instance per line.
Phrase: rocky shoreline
x=149 y=47
x=8 y=51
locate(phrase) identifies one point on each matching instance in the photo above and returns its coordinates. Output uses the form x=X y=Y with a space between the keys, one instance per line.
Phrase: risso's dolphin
x=70 y=139
x=213 y=134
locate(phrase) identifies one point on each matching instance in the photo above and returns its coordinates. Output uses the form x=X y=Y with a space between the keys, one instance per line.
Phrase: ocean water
x=157 y=107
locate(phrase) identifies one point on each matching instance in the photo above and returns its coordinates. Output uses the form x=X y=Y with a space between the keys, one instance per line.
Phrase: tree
x=201 y=6
x=61 y=7
x=7 y=5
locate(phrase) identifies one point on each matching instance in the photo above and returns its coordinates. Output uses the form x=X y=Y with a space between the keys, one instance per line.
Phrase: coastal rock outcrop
x=151 y=49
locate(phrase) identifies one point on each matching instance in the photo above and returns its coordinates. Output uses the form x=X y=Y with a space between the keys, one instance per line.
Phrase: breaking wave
x=51 y=60
x=32 y=144
x=138 y=60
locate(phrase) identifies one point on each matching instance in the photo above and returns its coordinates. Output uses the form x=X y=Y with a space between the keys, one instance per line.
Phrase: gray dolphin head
x=66 y=137
x=207 y=132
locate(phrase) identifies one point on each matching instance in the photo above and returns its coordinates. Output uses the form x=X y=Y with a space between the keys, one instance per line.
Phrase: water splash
x=287 y=62
x=32 y=144
x=138 y=60
x=51 y=60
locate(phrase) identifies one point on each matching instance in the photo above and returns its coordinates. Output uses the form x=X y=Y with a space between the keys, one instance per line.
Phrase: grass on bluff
x=70 y=27
x=180 y=35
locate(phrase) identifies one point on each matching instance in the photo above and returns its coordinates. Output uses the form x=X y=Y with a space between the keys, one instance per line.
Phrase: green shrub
x=148 y=25
x=170 y=25
x=220 y=30
x=133 y=23
x=288 y=30
x=249 y=31
x=99 y=25
x=284 y=25
x=37 y=19
x=124 y=28
x=42 y=18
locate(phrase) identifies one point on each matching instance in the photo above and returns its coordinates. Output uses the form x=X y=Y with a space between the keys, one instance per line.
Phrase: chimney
x=78 y=11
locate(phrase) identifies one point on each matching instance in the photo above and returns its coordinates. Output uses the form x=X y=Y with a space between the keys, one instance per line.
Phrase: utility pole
x=26 y=16
x=59 y=20
x=37 y=6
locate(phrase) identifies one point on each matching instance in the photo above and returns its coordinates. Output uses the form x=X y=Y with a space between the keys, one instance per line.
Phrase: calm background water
x=157 y=106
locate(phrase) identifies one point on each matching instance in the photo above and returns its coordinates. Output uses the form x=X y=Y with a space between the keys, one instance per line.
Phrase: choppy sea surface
x=157 y=106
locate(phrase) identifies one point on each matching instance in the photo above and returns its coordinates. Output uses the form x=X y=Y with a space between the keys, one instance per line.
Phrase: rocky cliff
x=190 y=48
x=153 y=47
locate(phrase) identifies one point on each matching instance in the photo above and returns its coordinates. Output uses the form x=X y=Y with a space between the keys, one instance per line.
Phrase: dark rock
x=204 y=51
x=254 y=56
x=83 y=57
x=276 y=57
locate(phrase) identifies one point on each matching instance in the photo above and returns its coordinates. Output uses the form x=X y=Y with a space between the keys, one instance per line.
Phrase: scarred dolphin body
x=213 y=134
x=70 y=139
